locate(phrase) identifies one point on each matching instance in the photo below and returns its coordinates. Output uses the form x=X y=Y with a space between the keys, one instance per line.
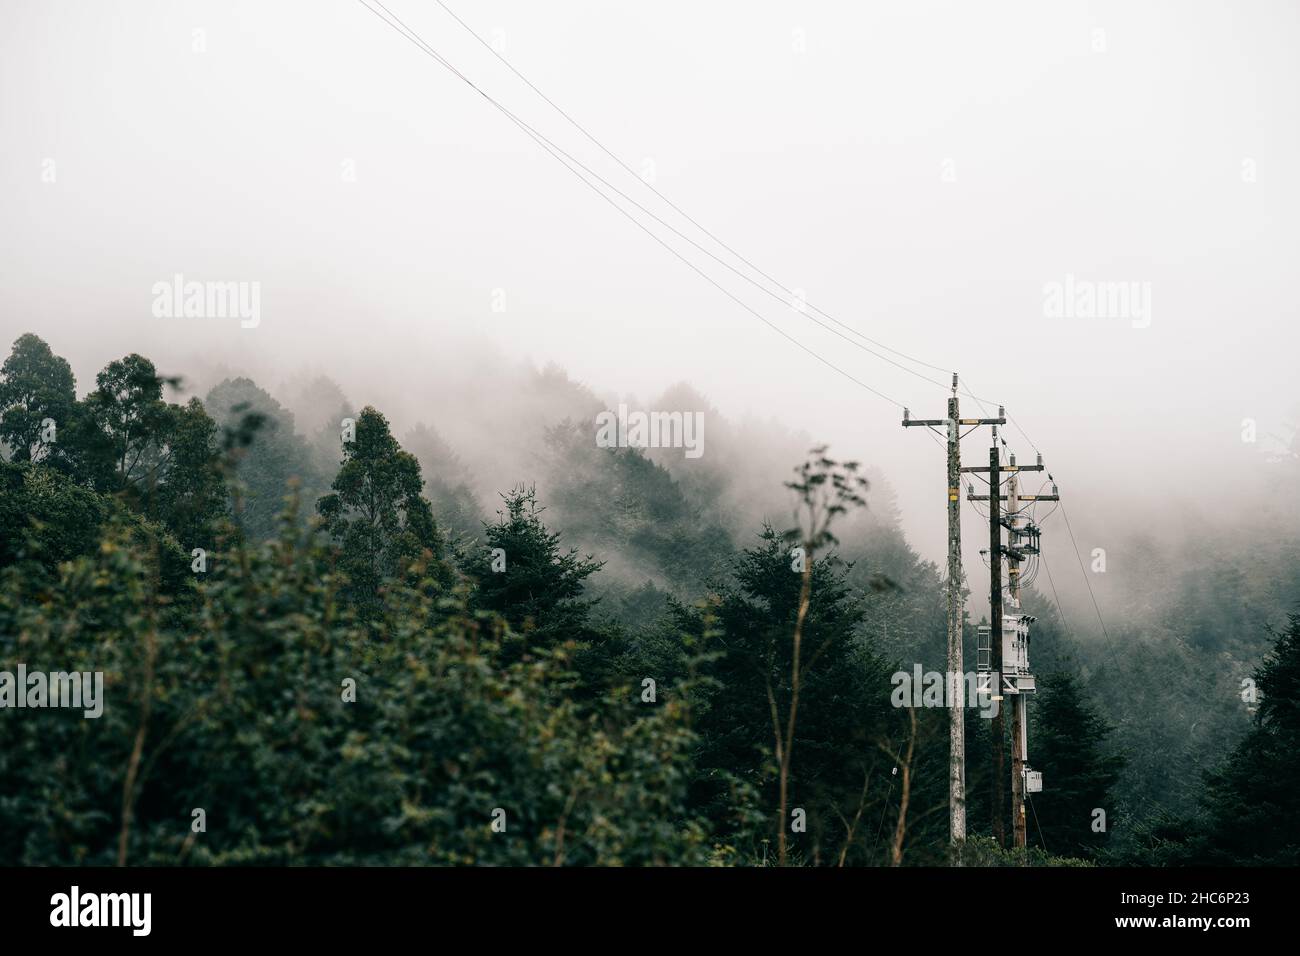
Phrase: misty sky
x=920 y=170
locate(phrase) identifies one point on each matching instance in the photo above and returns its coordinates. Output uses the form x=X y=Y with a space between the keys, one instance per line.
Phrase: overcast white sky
x=814 y=137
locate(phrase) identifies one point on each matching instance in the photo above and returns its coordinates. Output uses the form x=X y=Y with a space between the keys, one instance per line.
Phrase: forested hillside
x=324 y=640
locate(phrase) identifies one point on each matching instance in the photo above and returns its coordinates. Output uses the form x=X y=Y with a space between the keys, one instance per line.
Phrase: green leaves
x=1253 y=800
x=237 y=694
x=35 y=386
x=540 y=590
x=265 y=453
x=1070 y=744
x=380 y=522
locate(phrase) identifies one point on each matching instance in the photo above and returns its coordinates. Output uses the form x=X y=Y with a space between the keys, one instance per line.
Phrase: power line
x=556 y=152
x=1041 y=840
x=415 y=38
x=397 y=23
x=570 y=162
x=1138 y=649
x=885 y=809
x=1079 y=558
x=1024 y=434
x=537 y=134
x=1015 y=424
x=1061 y=614
x=685 y=215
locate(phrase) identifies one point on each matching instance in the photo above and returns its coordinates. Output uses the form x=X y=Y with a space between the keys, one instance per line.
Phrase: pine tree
x=621 y=500
x=1253 y=800
x=844 y=712
x=525 y=575
x=1069 y=744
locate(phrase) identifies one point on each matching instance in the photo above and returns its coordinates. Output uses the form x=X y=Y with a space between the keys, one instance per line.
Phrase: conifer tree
x=376 y=514
x=1069 y=744
x=525 y=575
x=1253 y=800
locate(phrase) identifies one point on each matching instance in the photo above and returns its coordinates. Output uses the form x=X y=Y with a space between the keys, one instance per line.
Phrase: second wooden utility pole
x=1009 y=650
x=998 y=734
x=1018 y=710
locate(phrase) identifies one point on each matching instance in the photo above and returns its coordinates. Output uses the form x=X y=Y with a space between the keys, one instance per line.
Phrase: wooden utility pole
x=998 y=734
x=1017 y=686
x=956 y=672
x=1018 y=711
x=957 y=687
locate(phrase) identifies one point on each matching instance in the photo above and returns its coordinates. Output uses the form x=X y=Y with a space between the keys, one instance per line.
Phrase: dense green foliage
x=237 y=698
x=312 y=645
x=266 y=454
x=36 y=386
x=446 y=482
x=1068 y=733
x=377 y=515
